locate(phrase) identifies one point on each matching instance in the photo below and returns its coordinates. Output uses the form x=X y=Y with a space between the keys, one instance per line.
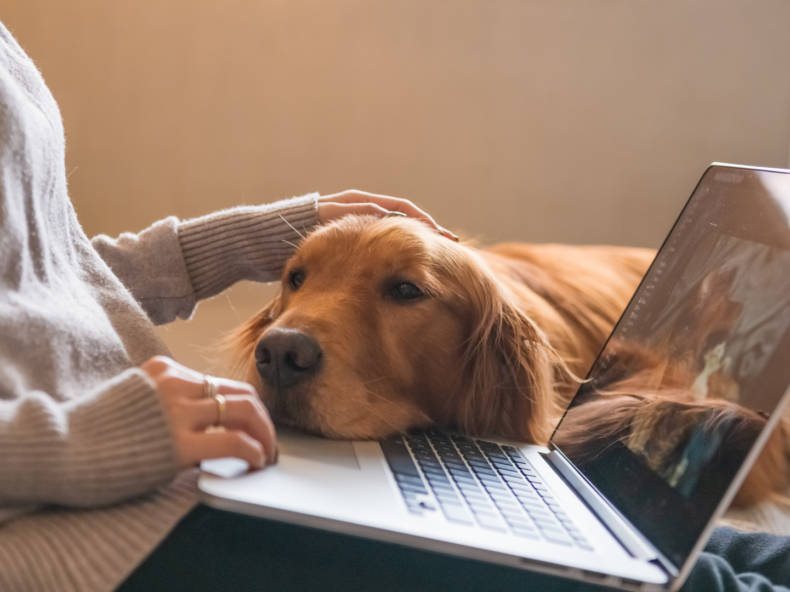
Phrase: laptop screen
x=695 y=366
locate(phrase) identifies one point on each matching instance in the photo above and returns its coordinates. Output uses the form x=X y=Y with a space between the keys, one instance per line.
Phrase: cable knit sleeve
x=109 y=445
x=172 y=265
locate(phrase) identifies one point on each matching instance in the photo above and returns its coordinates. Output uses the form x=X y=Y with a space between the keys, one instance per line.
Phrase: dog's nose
x=286 y=356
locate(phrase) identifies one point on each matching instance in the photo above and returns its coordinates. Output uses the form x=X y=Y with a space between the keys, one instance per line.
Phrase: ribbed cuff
x=244 y=243
x=110 y=445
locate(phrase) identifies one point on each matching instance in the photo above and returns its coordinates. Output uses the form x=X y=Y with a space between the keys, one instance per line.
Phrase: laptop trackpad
x=305 y=446
x=295 y=444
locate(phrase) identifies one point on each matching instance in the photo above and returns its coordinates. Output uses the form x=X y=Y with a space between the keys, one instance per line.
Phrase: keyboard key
x=559 y=538
x=501 y=495
x=481 y=462
x=474 y=497
x=553 y=528
x=520 y=523
x=398 y=458
x=420 y=506
x=490 y=523
x=441 y=483
x=490 y=479
x=540 y=511
x=467 y=479
x=455 y=462
x=527 y=534
x=501 y=464
x=413 y=488
x=432 y=464
x=408 y=479
x=445 y=495
x=507 y=507
x=513 y=479
x=585 y=546
x=488 y=512
x=441 y=486
x=532 y=502
x=514 y=514
x=456 y=514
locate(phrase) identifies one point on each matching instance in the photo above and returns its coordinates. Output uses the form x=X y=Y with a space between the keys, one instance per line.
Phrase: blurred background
x=577 y=121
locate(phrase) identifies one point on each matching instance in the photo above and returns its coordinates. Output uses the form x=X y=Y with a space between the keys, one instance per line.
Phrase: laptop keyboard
x=478 y=482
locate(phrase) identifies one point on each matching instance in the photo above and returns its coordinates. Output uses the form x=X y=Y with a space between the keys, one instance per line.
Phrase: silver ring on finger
x=210 y=386
x=222 y=408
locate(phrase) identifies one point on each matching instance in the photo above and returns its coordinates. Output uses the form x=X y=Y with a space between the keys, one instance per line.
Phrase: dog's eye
x=296 y=278
x=406 y=291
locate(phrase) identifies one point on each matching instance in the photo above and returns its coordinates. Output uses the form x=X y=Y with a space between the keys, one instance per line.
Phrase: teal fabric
x=216 y=550
x=212 y=550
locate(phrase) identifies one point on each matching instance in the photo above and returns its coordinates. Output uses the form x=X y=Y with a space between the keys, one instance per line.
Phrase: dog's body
x=384 y=325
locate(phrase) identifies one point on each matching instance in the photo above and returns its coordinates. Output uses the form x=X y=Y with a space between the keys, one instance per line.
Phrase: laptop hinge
x=629 y=537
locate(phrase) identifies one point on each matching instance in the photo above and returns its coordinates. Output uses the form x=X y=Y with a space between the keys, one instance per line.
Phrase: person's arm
x=124 y=438
x=172 y=265
x=111 y=444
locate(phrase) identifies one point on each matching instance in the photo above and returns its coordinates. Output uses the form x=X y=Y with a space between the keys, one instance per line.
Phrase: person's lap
x=215 y=550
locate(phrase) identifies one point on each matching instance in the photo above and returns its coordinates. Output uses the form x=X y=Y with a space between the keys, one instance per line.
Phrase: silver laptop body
x=620 y=515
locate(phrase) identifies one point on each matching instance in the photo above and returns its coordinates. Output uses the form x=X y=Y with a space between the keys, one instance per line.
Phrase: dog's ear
x=239 y=345
x=512 y=371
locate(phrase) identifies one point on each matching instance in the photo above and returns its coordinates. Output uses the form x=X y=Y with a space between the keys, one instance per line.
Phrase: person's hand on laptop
x=337 y=205
x=248 y=431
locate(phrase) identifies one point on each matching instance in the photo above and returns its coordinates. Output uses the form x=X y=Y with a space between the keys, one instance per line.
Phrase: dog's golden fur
x=494 y=346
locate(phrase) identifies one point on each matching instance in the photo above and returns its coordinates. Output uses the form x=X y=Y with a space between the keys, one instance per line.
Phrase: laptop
x=628 y=505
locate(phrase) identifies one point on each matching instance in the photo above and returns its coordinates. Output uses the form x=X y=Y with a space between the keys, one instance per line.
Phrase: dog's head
x=382 y=325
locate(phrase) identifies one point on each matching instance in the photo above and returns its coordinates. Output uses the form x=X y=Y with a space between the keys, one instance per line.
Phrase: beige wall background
x=535 y=120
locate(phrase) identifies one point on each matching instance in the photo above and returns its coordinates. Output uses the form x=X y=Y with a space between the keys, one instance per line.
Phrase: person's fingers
x=242 y=412
x=336 y=206
x=332 y=211
x=221 y=444
x=392 y=204
x=331 y=207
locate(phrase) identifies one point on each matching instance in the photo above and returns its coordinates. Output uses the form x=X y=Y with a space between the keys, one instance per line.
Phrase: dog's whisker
x=378 y=379
x=290 y=243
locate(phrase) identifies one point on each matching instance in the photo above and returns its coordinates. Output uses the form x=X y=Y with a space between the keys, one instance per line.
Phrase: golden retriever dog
x=383 y=325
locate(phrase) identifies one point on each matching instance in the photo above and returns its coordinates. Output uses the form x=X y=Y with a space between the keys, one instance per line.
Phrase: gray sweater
x=88 y=476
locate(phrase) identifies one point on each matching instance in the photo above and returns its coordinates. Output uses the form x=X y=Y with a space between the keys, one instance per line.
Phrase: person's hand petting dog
x=331 y=207
x=248 y=431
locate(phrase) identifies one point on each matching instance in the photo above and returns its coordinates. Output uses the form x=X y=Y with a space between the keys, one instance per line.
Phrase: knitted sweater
x=88 y=475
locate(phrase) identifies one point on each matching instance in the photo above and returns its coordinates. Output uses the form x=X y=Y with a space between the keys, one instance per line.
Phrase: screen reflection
x=696 y=365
